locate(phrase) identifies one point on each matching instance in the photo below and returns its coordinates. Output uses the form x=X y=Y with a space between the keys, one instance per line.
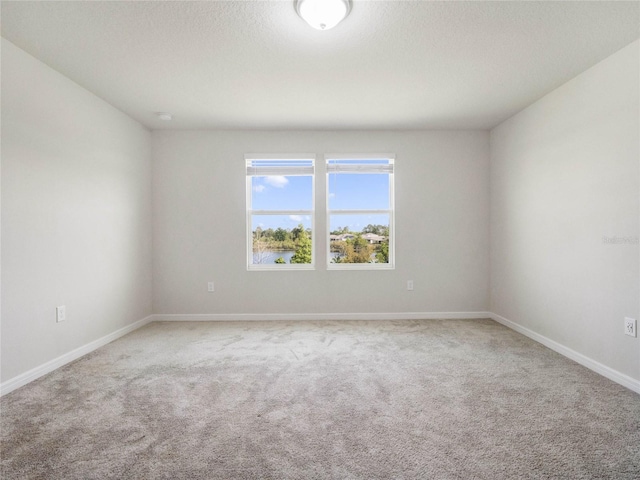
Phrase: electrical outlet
x=210 y=287
x=61 y=313
x=630 y=327
x=409 y=284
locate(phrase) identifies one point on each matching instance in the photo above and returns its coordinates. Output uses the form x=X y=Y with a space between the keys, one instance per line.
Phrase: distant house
x=373 y=238
x=369 y=237
x=341 y=238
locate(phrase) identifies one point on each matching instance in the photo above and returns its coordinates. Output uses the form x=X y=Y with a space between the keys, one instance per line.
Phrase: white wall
x=442 y=204
x=76 y=215
x=77 y=230
x=565 y=174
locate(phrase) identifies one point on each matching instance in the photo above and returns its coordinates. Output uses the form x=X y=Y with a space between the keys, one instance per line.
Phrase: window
x=360 y=212
x=280 y=212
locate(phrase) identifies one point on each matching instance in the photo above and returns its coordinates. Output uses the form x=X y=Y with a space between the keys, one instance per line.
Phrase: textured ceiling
x=256 y=64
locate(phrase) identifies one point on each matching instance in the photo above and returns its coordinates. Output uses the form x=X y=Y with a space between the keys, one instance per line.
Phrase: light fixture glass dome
x=323 y=14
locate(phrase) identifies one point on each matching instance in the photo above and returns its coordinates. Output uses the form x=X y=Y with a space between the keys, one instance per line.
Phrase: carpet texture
x=436 y=399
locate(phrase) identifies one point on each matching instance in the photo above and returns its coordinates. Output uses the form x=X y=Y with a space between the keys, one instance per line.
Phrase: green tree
x=382 y=230
x=268 y=233
x=280 y=234
x=354 y=250
x=280 y=260
x=297 y=232
x=340 y=231
x=362 y=250
x=303 y=248
x=382 y=256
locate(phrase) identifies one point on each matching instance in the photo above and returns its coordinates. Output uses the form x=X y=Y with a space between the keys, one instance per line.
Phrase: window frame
x=290 y=170
x=390 y=211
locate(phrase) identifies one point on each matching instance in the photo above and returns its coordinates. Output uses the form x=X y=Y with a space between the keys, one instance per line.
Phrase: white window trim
x=286 y=171
x=391 y=211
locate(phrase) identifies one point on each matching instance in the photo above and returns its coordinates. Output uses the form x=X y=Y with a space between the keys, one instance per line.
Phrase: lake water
x=271 y=257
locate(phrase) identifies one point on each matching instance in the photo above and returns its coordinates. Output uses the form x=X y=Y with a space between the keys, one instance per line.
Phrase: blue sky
x=346 y=191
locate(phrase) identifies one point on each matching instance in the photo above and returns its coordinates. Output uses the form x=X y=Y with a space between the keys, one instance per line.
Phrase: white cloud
x=277 y=181
x=332 y=195
x=259 y=188
x=295 y=218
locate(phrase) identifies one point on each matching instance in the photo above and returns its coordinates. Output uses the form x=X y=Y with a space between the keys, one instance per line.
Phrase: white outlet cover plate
x=61 y=313
x=630 y=327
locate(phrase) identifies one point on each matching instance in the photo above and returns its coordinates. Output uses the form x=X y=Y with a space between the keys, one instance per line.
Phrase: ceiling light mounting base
x=323 y=14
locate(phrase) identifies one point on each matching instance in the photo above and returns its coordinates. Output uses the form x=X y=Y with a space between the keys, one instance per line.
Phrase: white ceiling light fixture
x=164 y=116
x=323 y=14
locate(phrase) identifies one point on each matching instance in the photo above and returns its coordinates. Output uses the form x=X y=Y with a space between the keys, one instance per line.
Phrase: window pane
x=358 y=191
x=359 y=238
x=282 y=192
x=281 y=239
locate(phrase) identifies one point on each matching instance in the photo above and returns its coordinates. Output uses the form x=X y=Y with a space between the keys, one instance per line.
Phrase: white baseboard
x=50 y=366
x=242 y=317
x=610 y=373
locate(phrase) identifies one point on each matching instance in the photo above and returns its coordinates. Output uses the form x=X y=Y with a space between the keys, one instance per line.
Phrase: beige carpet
x=450 y=399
